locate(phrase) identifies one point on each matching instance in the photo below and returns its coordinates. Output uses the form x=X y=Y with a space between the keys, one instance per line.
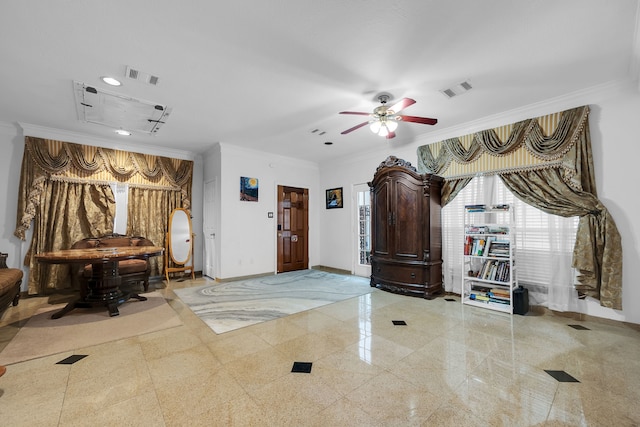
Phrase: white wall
x=615 y=130
x=614 y=125
x=12 y=146
x=338 y=226
x=246 y=240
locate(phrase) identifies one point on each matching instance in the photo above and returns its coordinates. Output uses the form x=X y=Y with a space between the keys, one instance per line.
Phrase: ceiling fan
x=384 y=120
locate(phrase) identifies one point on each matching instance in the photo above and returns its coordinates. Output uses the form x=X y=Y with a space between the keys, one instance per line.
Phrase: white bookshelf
x=488 y=269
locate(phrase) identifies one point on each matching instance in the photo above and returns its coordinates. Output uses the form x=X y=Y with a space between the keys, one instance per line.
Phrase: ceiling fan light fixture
x=383 y=126
x=384 y=120
x=384 y=130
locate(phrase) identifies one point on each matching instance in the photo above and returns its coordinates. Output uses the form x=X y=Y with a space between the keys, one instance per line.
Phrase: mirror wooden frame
x=179 y=254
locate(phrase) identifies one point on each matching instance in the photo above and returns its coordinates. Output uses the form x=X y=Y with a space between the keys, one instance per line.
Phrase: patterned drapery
x=547 y=163
x=538 y=143
x=64 y=190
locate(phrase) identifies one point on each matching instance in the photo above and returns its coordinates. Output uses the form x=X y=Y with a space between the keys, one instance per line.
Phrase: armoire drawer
x=400 y=273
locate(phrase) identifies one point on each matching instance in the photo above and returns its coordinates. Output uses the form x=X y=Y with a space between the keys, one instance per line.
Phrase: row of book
x=483 y=208
x=495 y=270
x=486 y=229
x=489 y=246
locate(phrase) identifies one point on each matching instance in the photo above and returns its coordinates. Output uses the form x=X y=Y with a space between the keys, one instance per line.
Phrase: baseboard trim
x=331 y=269
x=538 y=310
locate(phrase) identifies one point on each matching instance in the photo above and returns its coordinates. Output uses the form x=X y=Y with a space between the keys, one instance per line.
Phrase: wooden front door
x=293 y=229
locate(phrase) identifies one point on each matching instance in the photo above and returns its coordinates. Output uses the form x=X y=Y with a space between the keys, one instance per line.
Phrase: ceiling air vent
x=456 y=90
x=141 y=76
x=449 y=93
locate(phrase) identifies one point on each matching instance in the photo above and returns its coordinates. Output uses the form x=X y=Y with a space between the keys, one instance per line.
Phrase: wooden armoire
x=406 y=234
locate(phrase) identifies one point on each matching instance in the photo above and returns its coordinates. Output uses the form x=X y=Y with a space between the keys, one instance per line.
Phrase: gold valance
x=46 y=159
x=539 y=143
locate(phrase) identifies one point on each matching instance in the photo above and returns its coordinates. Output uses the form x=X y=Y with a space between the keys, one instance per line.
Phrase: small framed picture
x=334 y=198
x=248 y=189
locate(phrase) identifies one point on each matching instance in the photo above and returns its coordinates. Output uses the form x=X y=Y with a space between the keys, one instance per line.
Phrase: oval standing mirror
x=180 y=236
x=179 y=243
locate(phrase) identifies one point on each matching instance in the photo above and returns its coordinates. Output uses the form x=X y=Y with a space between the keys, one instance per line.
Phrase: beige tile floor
x=451 y=365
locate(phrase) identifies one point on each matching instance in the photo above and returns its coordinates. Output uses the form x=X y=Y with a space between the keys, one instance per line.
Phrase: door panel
x=382 y=214
x=407 y=217
x=209 y=220
x=293 y=230
x=362 y=229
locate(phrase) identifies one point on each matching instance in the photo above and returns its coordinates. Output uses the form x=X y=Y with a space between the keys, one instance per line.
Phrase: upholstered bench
x=10 y=281
x=131 y=271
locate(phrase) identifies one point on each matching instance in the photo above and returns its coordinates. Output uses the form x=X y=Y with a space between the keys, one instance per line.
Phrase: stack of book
x=475 y=229
x=483 y=208
x=496 y=295
x=496 y=229
x=502 y=207
x=475 y=208
x=499 y=248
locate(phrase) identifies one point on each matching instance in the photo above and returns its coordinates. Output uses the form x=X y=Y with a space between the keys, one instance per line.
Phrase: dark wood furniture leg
x=103 y=290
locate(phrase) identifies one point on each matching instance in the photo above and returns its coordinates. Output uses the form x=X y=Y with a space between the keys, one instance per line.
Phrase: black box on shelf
x=520 y=300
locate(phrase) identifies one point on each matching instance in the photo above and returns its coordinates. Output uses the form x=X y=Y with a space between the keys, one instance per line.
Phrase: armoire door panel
x=408 y=242
x=380 y=222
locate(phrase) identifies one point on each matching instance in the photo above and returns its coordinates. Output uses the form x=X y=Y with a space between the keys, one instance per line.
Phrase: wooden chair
x=10 y=281
x=131 y=271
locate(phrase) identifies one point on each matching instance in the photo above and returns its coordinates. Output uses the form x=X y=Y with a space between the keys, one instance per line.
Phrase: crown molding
x=548 y=106
x=80 y=138
x=272 y=159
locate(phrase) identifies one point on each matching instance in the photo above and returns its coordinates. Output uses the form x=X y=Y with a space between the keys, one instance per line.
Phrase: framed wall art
x=334 y=198
x=248 y=189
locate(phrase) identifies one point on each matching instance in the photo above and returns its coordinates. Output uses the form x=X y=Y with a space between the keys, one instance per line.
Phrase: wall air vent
x=117 y=111
x=141 y=76
x=456 y=90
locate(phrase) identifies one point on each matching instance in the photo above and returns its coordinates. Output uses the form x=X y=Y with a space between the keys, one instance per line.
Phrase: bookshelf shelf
x=489 y=270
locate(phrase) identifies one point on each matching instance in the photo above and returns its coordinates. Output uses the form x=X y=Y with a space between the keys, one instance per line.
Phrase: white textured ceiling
x=264 y=74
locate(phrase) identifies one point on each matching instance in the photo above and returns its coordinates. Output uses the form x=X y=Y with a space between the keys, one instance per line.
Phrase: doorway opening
x=362 y=237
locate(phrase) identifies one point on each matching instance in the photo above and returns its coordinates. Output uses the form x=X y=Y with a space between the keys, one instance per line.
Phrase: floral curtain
x=546 y=162
x=64 y=191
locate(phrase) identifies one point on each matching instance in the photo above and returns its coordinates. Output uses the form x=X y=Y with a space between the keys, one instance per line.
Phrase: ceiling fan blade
x=423 y=120
x=354 y=128
x=402 y=104
x=354 y=112
x=391 y=135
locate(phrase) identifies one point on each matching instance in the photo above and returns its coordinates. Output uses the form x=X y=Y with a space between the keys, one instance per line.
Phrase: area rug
x=228 y=306
x=43 y=336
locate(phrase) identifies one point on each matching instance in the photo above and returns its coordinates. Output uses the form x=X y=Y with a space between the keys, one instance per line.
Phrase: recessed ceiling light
x=123 y=132
x=111 y=81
